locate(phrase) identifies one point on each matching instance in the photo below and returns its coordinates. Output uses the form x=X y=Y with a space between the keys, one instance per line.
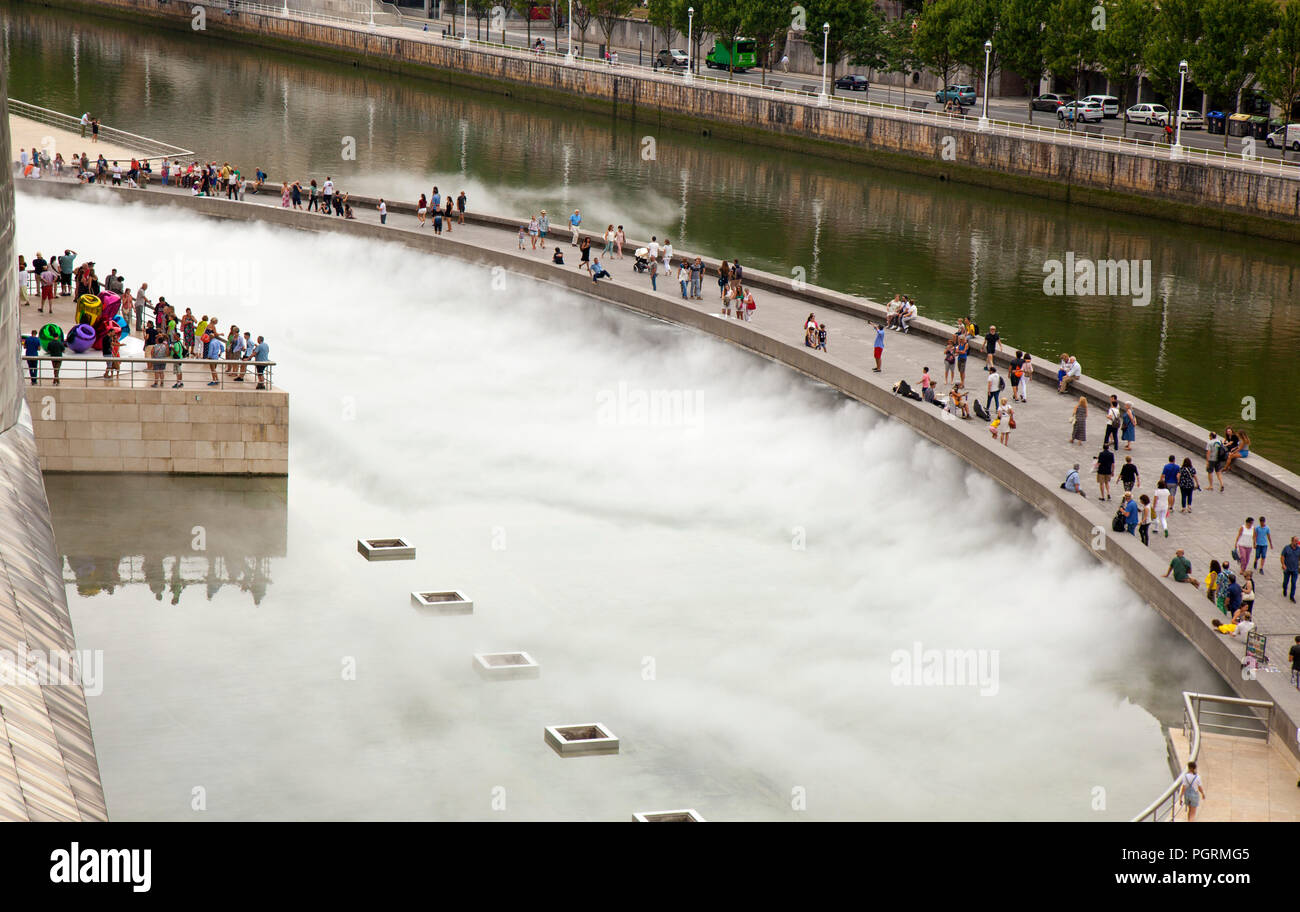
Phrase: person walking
x=1160 y=503
x=620 y=238
x=1169 y=475
x=1128 y=474
x=697 y=279
x=1079 y=422
x=383 y=211
x=1190 y=790
x=1105 y=467
x=609 y=243
x=461 y=202
x=1215 y=455
x=543 y=224
x=1263 y=541
x=963 y=351
x=575 y=223
x=1128 y=425
x=1006 y=422
x=533 y=228
x=995 y=385
x=1111 y=433
x=1290 y=558
x=1026 y=374
x=1244 y=543
x=1187 y=484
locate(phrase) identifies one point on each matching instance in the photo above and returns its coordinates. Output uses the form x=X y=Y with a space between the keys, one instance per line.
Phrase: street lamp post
x=690 y=33
x=568 y=58
x=823 y=99
x=984 y=117
x=1177 y=150
x=464 y=23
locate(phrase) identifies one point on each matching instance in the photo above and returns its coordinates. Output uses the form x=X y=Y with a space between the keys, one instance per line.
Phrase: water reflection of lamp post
x=823 y=99
x=1177 y=150
x=984 y=118
x=690 y=33
x=372 y=13
x=568 y=58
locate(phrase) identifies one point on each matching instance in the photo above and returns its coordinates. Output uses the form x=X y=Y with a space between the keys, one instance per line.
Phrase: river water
x=1216 y=343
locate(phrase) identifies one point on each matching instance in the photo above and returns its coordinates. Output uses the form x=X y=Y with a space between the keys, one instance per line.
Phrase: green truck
x=741 y=56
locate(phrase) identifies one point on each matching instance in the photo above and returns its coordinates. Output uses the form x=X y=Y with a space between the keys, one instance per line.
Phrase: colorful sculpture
x=49 y=332
x=89 y=307
x=81 y=337
x=124 y=328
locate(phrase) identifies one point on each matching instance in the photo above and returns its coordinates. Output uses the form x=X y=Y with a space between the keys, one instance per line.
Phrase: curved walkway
x=1032 y=467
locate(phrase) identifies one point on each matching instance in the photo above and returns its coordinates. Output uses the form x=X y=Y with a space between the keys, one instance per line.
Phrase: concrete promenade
x=1032 y=466
x=1245 y=779
x=28 y=134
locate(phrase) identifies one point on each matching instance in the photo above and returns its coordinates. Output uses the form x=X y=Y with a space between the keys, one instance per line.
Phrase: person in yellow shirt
x=1212 y=580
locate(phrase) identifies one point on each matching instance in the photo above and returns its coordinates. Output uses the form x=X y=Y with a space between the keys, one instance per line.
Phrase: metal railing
x=1166 y=807
x=151 y=148
x=146 y=373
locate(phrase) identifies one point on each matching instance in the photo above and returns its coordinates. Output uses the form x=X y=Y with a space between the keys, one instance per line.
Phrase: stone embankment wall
x=1227 y=198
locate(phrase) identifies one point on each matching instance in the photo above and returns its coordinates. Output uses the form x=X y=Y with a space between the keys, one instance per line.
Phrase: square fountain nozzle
x=506 y=666
x=378 y=549
x=451 y=601
x=685 y=815
x=581 y=738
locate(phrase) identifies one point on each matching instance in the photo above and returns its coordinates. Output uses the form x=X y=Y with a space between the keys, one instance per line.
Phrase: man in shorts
x=261 y=353
x=67 y=263
x=879 y=348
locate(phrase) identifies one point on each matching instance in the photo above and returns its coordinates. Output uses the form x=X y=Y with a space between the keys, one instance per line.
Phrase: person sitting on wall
x=558 y=257
x=598 y=271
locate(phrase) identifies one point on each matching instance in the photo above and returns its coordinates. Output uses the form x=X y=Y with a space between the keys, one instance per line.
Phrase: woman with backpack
x=1187 y=483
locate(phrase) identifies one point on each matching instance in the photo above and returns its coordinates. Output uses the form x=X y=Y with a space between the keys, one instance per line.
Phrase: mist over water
x=728 y=582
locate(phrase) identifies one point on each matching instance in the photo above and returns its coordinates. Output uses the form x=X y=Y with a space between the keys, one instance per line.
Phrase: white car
x=1287 y=137
x=1109 y=104
x=1190 y=120
x=1150 y=114
x=1084 y=111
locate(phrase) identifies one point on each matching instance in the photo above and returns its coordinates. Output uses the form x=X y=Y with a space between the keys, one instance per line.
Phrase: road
x=1013 y=110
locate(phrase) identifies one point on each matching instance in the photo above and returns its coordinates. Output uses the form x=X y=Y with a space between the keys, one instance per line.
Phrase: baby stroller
x=642 y=255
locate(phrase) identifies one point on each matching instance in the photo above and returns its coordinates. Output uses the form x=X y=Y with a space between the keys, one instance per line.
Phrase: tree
x=524 y=8
x=557 y=22
x=976 y=24
x=933 y=38
x=1279 y=70
x=694 y=31
x=1175 y=29
x=1070 y=44
x=869 y=46
x=847 y=19
x=900 y=55
x=481 y=9
x=724 y=20
x=1232 y=48
x=1020 y=42
x=582 y=16
x=767 y=21
x=1120 y=45
x=608 y=12
x=659 y=13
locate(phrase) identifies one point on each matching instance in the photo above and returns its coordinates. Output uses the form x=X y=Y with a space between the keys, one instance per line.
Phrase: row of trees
x=1230 y=45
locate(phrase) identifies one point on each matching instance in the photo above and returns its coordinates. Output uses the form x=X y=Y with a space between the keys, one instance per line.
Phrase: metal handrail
x=1155 y=812
x=152 y=147
x=143 y=378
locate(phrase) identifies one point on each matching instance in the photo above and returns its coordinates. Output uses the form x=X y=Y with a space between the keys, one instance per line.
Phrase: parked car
x=1083 y=111
x=1109 y=104
x=853 y=82
x=1190 y=120
x=1288 y=138
x=672 y=59
x=1150 y=114
x=962 y=94
x=1050 y=101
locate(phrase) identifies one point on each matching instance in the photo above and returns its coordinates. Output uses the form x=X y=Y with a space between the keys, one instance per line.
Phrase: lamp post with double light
x=984 y=117
x=823 y=99
x=1177 y=150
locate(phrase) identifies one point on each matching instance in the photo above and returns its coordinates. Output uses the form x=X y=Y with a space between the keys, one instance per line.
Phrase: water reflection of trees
x=145 y=534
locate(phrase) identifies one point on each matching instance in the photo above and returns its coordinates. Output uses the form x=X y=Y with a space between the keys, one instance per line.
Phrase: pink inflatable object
x=107 y=297
x=111 y=303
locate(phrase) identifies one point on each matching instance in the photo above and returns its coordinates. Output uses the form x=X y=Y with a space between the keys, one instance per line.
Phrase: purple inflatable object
x=81 y=337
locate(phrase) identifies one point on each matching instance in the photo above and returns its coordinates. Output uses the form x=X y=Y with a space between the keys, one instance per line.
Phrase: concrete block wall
x=213 y=432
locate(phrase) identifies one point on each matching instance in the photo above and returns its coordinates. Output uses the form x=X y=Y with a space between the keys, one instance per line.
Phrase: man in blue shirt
x=1131 y=512
x=1072 y=482
x=213 y=353
x=574 y=221
x=879 y=345
x=261 y=353
x=1290 y=567
x=32 y=348
x=1232 y=597
x=1263 y=541
x=1170 y=473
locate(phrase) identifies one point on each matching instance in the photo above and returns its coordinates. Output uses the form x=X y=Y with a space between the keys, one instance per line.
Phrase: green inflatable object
x=49 y=332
